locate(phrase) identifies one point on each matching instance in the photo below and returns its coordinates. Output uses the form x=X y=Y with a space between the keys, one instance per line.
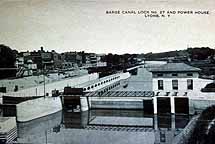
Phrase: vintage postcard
x=107 y=71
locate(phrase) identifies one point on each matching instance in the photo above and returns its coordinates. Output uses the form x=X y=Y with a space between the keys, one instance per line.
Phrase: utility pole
x=44 y=67
x=44 y=80
x=46 y=136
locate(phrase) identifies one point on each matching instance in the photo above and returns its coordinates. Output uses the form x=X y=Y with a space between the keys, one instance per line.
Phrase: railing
x=120 y=94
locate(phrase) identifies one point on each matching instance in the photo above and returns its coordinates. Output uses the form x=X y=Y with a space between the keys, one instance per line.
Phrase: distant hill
x=197 y=53
x=201 y=57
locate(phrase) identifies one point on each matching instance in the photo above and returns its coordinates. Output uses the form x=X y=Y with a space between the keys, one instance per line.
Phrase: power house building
x=172 y=84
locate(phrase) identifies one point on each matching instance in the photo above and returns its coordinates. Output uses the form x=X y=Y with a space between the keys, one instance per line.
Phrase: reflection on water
x=106 y=126
x=38 y=128
x=102 y=126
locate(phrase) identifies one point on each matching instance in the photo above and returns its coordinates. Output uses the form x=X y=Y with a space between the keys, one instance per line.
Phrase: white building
x=173 y=81
x=175 y=77
x=94 y=60
x=19 y=62
x=30 y=65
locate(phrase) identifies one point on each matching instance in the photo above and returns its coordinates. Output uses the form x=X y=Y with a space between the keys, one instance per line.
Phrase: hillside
x=201 y=57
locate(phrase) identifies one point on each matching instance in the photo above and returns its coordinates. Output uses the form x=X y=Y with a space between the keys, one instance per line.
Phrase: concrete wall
x=198 y=105
x=37 y=108
x=59 y=85
x=117 y=103
x=84 y=104
x=39 y=126
x=7 y=123
x=103 y=82
x=33 y=81
x=23 y=83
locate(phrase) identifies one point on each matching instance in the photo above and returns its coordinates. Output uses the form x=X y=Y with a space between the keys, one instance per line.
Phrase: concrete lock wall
x=117 y=104
x=39 y=126
x=197 y=105
x=84 y=104
x=59 y=85
x=122 y=76
x=37 y=108
x=7 y=123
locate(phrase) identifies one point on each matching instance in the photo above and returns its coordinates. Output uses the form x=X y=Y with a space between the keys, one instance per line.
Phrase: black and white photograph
x=107 y=71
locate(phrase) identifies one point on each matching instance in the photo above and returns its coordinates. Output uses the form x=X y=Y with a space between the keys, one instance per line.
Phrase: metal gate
x=163 y=105
x=148 y=107
x=181 y=105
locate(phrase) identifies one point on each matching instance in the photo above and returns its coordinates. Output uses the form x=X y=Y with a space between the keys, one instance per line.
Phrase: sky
x=83 y=25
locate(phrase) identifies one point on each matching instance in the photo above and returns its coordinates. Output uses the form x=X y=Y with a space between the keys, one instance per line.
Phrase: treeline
x=201 y=53
x=116 y=60
x=196 y=53
x=163 y=55
x=204 y=131
x=7 y=62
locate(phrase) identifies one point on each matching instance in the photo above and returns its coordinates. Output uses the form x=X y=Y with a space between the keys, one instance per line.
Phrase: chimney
x=41 y=48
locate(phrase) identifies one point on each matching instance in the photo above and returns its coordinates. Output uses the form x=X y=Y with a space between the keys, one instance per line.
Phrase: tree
x=7 y=60
x=7 y=57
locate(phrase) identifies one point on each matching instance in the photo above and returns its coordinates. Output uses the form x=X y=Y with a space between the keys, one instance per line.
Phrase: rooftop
x=175 y=67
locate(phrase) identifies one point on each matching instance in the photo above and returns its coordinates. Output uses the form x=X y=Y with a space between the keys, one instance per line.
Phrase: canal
x=102 y=126
x=106 y=126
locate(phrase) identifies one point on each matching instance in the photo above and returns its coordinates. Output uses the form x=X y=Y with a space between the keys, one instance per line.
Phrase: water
x=106 y=126
x=102 y=127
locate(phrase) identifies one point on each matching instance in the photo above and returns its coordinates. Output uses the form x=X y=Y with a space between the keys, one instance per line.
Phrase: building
x=47 y=60
x=8 y=130
x=58 y=59
x=69 y=65
x=177 y=88
x=31 y=67
x=175 y=77
x=19 y=62
x=25 y=66
x=94 y=60
x=35 y=57
x=73 y=57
